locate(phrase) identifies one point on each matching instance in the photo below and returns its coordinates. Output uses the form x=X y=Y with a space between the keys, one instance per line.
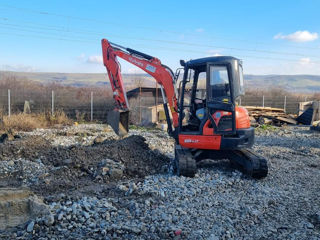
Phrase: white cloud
x=95 y=59
x=200 y=30
x=305 y=61
x=213 y=53
x=18 y=68
x=298 y=36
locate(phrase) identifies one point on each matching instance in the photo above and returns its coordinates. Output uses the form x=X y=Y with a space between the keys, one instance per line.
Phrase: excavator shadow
x=223 y=165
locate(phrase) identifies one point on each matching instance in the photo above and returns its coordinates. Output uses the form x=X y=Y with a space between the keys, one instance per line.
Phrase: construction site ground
x=97 y=186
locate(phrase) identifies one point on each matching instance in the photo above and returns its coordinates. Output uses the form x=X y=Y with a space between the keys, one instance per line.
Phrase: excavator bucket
x=119 y=121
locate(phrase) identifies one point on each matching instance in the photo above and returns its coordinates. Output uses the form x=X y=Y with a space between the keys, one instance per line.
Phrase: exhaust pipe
x=119 y=121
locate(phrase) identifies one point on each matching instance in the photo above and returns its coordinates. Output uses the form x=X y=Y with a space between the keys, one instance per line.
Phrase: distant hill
x=292 y=83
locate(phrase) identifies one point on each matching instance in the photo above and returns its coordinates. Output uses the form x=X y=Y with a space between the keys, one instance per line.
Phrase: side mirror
x=182 y=63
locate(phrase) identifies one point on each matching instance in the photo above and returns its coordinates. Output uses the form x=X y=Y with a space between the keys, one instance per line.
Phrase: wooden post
x=263 y=101
x=52 y=102
x=285 y=103
x=91 y=112
x=9 y=102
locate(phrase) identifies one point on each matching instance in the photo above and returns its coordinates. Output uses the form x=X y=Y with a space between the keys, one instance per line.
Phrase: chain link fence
x=289 y=103
x=92 y=104
x=80 y=104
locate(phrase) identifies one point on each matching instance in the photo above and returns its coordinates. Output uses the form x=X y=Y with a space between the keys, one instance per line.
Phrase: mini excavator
x=200 y=109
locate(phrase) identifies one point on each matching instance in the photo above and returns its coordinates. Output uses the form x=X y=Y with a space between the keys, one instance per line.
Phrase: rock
x=60 y=216
x=11 y=163
x=98 y=140
x=116 y=173
x=105 y=171
x=86 y=206
x=67 y=161
x=17 y=206
x=315 y=219
x=132 y=188
x=74 y=208
x=3 y=138
x=49 y=220
x=17 y=136
x=30 y=226
x=86 y=214
x=309 y=225
x=102 y=163
x=92 y=225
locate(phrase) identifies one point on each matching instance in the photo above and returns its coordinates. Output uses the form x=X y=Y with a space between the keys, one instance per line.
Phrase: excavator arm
x=118 y=118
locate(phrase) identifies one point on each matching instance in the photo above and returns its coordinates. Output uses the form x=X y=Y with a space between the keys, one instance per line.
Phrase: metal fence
x=82 y=104
x=289 y=103
x=88 y=104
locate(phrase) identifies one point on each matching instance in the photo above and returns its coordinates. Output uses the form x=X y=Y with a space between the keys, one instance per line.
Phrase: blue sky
x=271 y=37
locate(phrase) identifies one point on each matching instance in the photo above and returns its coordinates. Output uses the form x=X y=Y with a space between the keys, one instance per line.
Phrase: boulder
x=19 y=206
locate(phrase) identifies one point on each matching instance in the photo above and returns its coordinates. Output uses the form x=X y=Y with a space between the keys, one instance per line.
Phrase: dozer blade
x=119 y=121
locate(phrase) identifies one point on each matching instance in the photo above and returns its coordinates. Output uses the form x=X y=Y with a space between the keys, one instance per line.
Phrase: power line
x=139 y=27
x=152 y=47
x=55 y=28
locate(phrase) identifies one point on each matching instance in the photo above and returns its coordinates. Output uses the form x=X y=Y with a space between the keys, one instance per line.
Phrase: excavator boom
x=118 y=118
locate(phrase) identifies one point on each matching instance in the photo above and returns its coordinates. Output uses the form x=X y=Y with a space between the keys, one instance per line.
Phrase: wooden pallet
x=268 y=115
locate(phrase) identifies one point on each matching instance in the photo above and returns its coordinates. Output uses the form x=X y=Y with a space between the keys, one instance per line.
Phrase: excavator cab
x=219 y=81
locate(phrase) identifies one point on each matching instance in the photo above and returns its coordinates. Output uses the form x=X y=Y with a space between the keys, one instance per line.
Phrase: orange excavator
x=200 y=109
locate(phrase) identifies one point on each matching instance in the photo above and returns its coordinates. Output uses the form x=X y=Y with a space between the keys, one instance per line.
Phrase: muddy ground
x=72 y=168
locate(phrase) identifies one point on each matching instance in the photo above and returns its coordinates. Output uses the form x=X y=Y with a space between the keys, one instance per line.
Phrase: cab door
x=220 y=103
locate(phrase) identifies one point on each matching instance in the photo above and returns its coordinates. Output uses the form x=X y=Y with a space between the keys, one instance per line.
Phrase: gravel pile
x=219 y=203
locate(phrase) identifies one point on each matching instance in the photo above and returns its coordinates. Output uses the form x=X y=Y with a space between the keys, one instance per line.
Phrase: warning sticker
x=150 y=68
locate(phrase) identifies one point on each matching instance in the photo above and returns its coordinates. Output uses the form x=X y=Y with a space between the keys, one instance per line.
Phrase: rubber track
x=252 y=164
x=187 y=164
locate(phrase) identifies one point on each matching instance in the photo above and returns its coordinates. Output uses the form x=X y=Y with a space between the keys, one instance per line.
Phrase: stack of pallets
x=268 y=115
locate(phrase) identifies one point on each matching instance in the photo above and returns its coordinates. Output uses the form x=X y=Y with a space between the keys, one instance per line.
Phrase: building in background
x=145 y=105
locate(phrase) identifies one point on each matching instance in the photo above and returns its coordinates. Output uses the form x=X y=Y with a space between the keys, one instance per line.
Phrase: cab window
x=219 y=82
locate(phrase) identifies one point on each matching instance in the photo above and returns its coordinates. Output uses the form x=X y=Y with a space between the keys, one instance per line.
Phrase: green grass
x=265 y=127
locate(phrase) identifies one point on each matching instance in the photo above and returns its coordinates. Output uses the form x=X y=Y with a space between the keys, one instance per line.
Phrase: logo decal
x=135 y=62
x=191 y=140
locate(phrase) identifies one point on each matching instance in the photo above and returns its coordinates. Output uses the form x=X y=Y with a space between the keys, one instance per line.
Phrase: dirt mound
x=77 y=166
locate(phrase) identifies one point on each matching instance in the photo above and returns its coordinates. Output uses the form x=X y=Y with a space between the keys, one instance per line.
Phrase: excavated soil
x=77 y=167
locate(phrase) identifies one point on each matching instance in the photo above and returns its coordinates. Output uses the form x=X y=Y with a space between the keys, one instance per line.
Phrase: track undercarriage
x=250 y=163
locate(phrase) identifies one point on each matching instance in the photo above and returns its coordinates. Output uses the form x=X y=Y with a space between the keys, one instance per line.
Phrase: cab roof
x=203 y=61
